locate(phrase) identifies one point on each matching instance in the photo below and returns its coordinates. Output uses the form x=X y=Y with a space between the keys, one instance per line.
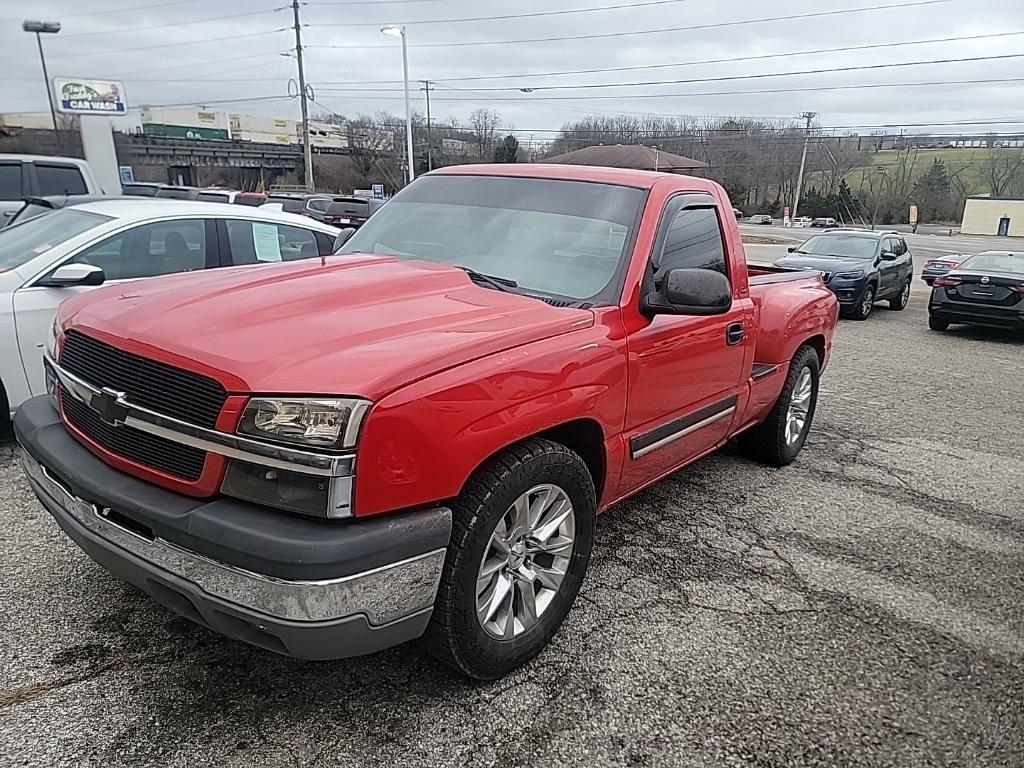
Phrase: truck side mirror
x=342 y=238
x=69 y=275
x=690 y=292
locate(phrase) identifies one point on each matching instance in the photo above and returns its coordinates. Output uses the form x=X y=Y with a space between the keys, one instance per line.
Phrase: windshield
x=561 y=238
x=214 y=197
x=839 y=247
x=995 y=261
x=22 y=242
x=140 y=190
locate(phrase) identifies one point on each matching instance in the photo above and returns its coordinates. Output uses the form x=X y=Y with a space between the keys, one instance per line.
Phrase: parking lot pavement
x=864 y=607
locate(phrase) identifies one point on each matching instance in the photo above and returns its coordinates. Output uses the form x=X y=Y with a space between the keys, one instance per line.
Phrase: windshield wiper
x=499 y=283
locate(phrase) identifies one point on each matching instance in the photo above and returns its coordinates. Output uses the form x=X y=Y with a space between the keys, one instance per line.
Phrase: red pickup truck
x=413 y=437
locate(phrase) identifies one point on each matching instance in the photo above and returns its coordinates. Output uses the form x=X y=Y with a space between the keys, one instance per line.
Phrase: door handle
x=734 y=334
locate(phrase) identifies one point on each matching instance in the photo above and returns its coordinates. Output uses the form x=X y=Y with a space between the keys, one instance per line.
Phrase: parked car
x=860 y=266
x=987 y=289
x=174 y=192
x=217 y=195
x=420 y=432
x=934 y=268
x=37 y=206
x=737 y=213
x=24 y=176
x=314 y=205
x=141 y=188
x=802 y=222
x=49 y=258
x=350 y=211
x=250 y=198
x=760 y=218
x=823 y=222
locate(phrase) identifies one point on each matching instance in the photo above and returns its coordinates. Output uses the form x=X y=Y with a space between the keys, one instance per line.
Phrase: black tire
x=899 y=302
x=455 y=635
x=767 y=441
x=937 y=323
x=865 y=304
x=6 y=428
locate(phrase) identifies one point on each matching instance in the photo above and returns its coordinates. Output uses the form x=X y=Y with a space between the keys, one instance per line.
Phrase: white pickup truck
x=24 y=176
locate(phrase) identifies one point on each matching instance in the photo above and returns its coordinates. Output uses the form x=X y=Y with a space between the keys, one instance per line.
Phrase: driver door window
x=692 y=240
x=162 y=248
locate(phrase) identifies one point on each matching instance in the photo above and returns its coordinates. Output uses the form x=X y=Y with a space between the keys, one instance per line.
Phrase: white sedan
x=49 y=258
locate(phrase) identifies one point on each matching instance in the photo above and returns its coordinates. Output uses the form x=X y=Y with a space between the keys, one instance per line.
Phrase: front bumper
x=848 y=293
x=306 y=588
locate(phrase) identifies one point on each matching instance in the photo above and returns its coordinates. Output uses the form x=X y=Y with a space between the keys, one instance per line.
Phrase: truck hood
x=352 y=325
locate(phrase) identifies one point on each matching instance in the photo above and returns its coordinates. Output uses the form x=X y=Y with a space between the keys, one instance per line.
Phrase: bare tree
x=1002 y=170
x=484 y=125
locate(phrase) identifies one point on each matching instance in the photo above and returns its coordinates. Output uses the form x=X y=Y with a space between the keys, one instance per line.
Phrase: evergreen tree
x=507 y=151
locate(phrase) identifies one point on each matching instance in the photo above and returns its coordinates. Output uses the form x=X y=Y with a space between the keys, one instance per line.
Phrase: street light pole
x=430 y=160
x=40 y=28
x=399 y=31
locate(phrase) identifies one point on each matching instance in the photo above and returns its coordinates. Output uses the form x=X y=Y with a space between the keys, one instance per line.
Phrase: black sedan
x=987 y=289
x=942 y=266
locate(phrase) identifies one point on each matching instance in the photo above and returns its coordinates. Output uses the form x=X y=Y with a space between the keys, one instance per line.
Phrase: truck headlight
x=328 y=423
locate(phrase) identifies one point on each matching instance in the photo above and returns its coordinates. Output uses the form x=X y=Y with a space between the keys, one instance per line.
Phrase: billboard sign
x=76 y=96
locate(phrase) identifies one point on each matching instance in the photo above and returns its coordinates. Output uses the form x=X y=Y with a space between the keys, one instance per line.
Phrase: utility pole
x=428 y=89
x=307 y=149
x=808 y=116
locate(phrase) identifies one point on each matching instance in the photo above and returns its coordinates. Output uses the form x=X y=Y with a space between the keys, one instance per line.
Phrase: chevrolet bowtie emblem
x=105 y=403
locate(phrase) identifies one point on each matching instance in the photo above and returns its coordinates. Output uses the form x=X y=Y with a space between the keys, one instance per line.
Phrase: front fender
x=420 y=444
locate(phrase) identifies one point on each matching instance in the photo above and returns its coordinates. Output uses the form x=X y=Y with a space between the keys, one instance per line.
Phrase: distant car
x=141 y=188
x=737 y=213
x=803 y=221
x=859 y=266
x=24 y=176
x=934 y=268
x=250 y=198
x=760 y=218
x=48 y=258
x=314 y=206
x=987 y=289
x=350 y=211
x=177 y=192
x=217 y=195
x=823 y=222
x=37 y=206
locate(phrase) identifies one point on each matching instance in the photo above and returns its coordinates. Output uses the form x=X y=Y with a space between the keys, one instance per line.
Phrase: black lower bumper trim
x=230 y=531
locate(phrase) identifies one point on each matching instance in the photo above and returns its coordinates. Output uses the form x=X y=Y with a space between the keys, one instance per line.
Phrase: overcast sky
x=185 y=51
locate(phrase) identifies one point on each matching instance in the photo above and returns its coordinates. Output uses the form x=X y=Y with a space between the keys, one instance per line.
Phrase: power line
x=714 y=25
x=169 y=45
x=504 y=17
x=113 y=10
x=691 y=63
x=171 y=24
x=722 y=78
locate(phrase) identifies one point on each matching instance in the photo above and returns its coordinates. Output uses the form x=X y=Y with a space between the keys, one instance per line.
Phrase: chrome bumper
x=382 y=595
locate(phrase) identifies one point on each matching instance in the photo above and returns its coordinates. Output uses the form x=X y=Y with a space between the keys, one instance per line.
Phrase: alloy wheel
x=525 y=561
x=799 y=406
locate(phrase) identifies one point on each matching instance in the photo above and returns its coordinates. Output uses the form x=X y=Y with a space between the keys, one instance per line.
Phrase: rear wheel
x=778 y=439
x=899 y=302
x=522 y=532
x=867 y=302
x=937 y=323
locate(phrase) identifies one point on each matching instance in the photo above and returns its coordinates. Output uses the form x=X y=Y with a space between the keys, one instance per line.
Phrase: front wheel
x=899 y=302
x=522 y=531
x=937 y=323
x=778 y=439
x=867 y=302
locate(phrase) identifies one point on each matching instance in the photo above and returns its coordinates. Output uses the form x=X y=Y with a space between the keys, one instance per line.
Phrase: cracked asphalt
x=863 y=607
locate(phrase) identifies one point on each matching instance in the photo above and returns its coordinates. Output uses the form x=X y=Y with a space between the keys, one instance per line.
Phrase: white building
x=993 y=216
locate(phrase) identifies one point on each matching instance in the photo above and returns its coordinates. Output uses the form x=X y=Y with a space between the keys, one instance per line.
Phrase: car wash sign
x=89 y=97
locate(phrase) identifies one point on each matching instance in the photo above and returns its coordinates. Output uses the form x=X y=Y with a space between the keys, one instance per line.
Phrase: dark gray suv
x=859 y=266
